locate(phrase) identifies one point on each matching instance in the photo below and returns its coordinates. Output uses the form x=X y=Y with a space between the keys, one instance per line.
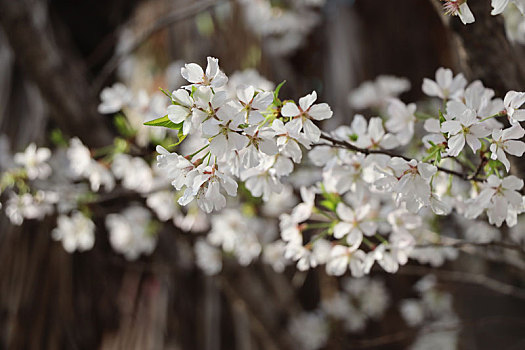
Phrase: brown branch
x=163 y=22
x=486 y=53
x=349 y=146
x=55 y=68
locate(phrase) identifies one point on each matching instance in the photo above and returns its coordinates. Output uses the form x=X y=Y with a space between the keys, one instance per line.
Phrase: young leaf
x=166 y=93
x=276 y=100
x=164 y=122
x=181 y=137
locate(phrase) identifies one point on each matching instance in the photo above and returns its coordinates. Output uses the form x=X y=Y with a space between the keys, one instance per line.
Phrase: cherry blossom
x=497 y=197
x=306 y=112
x=76 y=232
x=459 y=8
x=446 y=86
x=213 y=77
x=465 y=128
x=34 y=161
x=512 y=101
x=401 y=120
x=354 y=223
x=506 y=141
x=372 y=136
x=498 y=6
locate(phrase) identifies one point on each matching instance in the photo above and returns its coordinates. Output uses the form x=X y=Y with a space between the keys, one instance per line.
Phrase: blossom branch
x=349 y=146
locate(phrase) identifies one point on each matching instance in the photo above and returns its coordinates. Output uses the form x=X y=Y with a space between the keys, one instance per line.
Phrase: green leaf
x=181 y=137
x=164 y=122
x=58 y=138
x=276 y=100
x=328 y=204
x=441 y=117
x=122 y=125
x=167 y=93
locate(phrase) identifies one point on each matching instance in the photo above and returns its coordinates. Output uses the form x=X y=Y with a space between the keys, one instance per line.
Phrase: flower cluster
x=252 y=136
x=369 y=205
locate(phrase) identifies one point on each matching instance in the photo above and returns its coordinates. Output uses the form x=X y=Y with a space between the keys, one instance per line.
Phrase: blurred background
x=55 y=58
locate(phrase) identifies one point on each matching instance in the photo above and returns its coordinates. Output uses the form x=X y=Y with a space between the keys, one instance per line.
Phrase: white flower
x=26 y=206
x=342 y=258
x=306 y=112
x=81 y=164
x=303 y=211
x=512 y=101
x=225 y=132
x=372 y=136
x=252 y=104
x=505 y=141
x=134 y=172
x=412 y=311
x=498 y=6
x=310 y=330
x=280 y=202
x=433 y=126
x=375 y=94
x=208 y=258
x=163 y=204
x=77 y=232
x=465 y=128
x=385 y=259
x=401 y=121
x=236 y=234
x=498 y=197
x=262 y=180
x=290 y=230
x=260 y=140
x=354 y=223
x=410 y=182
x=213 y=77
x=273 y=254
x=114 y=98
x=403 y=221
x=459 y=8
x=251 y=77
x=79 y=157
x=182 y=111
x=99 y=175
x=446 y=85
x=206 y=189
x=176 y=168
x=129 y=233
x=34 y=159
x=481 y=100
x=289 y=139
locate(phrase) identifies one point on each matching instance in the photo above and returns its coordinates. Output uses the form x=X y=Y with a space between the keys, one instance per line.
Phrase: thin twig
x=165 y=21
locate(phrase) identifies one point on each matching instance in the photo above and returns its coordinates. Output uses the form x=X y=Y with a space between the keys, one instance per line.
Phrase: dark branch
x=57 y=71
x=347 y=145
